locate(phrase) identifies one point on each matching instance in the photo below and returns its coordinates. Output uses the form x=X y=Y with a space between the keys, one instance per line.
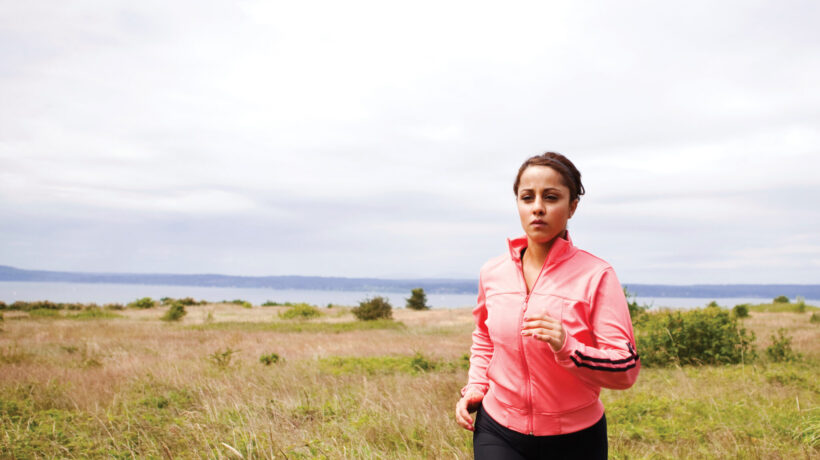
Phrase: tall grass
x=135 y=387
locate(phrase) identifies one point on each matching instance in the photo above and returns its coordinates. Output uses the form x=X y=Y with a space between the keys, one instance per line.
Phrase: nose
x=538 y=207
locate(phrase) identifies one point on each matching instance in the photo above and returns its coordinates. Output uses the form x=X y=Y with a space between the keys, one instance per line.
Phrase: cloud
x=373 y=139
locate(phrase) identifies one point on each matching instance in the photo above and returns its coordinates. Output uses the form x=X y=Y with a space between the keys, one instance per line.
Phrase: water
x=11 y=291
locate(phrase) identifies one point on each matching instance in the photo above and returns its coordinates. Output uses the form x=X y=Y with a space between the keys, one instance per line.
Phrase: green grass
x=44 y=313
x=288 y=326
x=755 y=408
x=373 y=365
x=794 y=307
x=93 y=314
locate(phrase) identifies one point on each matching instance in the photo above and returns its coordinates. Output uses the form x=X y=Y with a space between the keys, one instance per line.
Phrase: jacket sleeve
x=482 y=349
x=613 y=361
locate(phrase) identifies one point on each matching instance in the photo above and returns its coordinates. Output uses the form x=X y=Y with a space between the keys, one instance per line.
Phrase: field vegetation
x=226 y=381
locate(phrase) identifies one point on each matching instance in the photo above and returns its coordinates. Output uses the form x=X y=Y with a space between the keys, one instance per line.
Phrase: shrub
x=36 y=305
x=815 y=318
x=240 y=302
x=271 y=358
x=222 y=359
x=781 y=348
x=2 y=305
x=781 y=299
x=713 y=304
x=376 y=308
x=421 y=363
x=175 y=312
x=145 y=302
x=18 y=305
x=114 y=306
x=417 y=300
x=741 y=310
x=301 y=311
x=801 y=305
x=635 y=310
x=700 y=336
x=271 y=303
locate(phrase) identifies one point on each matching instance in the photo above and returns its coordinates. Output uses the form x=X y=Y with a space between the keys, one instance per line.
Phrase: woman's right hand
x=468 y=403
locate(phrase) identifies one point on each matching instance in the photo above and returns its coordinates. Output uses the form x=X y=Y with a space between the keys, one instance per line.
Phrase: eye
x=526 y=197
x=551 y=197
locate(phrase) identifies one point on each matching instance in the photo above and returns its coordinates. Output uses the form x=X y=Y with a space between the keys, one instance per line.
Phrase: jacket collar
x=561 y=249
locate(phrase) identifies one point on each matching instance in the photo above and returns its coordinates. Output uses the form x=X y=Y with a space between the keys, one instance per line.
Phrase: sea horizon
x=103 y=293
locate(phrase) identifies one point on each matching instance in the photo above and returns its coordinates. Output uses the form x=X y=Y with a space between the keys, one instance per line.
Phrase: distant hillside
x=435 y=286
x=766 y=291
x=438 y=286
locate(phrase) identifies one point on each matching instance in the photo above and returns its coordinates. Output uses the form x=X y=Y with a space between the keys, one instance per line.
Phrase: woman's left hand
x=545 y=328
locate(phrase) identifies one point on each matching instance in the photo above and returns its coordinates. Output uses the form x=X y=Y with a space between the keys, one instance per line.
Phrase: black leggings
x=492 y=441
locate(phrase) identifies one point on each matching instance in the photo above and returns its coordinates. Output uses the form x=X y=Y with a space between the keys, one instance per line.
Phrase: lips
x=538 y=222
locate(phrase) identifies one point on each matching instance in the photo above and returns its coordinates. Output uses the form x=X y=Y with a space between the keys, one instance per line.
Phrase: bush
x=700 y=336
x=114 y=306
x=2 y=305
x=781 y=299
x=271 y=358
x=145 y=302
x=175 y=312
x=421 y=363
x=376 y=308
x=801 y=305
x=741 y=310
x=222 y=359
x=240 y=302
x=781 y=348
x=185 y=301
x=271 y=303
x=815 y=318
x=301 y=311
x=417 y=300
x=635 y=310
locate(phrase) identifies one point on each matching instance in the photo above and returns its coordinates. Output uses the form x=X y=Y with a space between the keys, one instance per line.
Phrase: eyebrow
x=546 y=189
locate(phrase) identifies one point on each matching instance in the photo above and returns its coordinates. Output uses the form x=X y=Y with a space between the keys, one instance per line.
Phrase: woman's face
x=543 y=204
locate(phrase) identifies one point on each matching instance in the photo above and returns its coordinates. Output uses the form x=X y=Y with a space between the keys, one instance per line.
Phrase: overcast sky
x=381 y=140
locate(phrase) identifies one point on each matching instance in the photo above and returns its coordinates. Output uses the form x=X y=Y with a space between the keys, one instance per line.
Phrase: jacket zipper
x=521 y=338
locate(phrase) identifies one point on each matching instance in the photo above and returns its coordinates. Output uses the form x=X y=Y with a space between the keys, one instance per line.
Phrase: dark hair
x=570 y=175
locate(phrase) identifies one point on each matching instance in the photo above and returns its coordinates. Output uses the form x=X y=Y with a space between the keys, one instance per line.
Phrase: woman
x=552 y=328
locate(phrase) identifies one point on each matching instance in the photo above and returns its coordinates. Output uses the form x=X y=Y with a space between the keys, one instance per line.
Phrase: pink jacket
x=528 y=387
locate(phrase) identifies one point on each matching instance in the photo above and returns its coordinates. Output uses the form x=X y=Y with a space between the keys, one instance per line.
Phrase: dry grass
x=138 y=387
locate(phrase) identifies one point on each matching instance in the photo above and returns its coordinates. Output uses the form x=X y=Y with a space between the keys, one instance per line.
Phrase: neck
x=537 y=252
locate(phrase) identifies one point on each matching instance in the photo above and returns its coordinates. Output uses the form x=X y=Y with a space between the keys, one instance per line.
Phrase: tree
x=417 y=300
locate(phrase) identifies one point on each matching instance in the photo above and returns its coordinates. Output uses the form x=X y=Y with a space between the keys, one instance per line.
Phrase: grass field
x=126 y=385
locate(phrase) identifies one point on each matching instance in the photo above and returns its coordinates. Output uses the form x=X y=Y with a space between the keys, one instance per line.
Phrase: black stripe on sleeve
x=603 y=368
x=633 y=357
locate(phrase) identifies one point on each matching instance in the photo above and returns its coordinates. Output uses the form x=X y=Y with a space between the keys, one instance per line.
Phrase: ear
x=573 y=206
